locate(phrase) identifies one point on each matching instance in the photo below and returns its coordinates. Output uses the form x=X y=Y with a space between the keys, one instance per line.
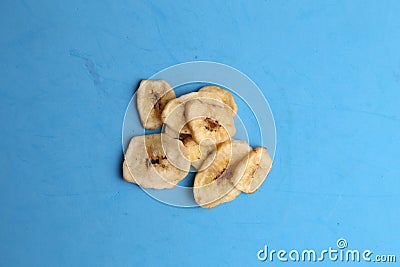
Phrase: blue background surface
x=329 y=69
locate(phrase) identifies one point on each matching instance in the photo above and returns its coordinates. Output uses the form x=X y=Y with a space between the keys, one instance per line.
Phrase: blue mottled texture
x=329 y=69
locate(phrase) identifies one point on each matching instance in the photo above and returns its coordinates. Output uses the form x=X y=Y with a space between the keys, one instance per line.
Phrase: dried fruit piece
x=152 y=96
x=252 y=170
x=210 y=119
x=223 y=94
x=213 y=185
x=156 y=161
x=199 y=152
x=173 y=115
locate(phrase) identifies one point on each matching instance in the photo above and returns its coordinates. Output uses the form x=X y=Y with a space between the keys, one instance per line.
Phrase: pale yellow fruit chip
x=174 y=116
x=156 y=161
x=223 y=94
x=213 y=185
x=252 y=170
x=152 y=96
x=199 y=152
x=210 y=119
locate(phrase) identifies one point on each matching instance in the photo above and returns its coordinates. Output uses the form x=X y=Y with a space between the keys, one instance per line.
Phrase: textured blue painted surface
x=330 y=71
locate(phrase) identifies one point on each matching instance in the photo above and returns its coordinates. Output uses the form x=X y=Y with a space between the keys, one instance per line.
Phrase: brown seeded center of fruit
x=220 y=174
x=155 y=161
x=183 y=137
x=158 y=106
x=211 y=125
x=156 y=96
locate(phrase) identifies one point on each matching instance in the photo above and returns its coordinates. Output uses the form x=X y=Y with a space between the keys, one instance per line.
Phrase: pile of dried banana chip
x=197 y=131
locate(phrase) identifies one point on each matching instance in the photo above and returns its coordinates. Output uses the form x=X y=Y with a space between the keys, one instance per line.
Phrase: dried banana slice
x=223 y=94
x=156 y=161
x=199 y=152
x=193 y=147
x=213 y=185
x=252 y=170
x=152 y=96
x=173 y=115
x=209 y=119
